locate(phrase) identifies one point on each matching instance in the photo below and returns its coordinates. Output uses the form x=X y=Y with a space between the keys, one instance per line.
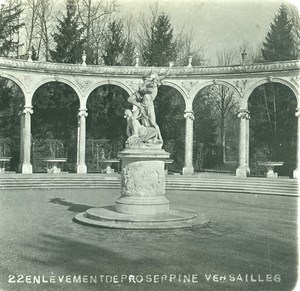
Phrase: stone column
x=247 y=145
x=188 y=168
x=81 y=166
x=296 y=173
x=26 y=166
x=22 y=122
x=241 y=171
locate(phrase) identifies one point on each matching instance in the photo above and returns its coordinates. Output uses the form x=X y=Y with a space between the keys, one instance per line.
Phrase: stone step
x=197 y=182
x=286 y=187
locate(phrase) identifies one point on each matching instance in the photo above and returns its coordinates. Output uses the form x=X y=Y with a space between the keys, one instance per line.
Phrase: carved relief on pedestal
x=188 y=85
x=143 y=179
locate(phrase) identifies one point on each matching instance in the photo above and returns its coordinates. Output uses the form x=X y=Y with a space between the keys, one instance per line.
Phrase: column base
x=241 y=172
x=248 y=170
x=81 y=169
x=188 y=170
x=26 y=169
x=296 y=174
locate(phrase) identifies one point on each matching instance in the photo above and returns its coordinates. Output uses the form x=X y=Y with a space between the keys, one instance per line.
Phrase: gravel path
x=250 y=243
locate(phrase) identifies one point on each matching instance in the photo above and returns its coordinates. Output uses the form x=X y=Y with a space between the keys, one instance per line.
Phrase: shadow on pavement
x=72 y=206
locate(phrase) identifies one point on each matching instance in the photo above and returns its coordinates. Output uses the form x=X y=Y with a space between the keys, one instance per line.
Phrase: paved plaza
x=250 y=243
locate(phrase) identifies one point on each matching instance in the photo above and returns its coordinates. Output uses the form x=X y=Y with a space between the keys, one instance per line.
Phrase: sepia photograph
x=149 y=145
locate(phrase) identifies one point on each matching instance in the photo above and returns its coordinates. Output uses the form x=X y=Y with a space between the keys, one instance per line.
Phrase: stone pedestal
x=142 y=204
x=143 y=182
x=270 y=168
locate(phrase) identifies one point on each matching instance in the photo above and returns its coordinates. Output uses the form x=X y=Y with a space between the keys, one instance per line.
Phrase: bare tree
x=31 y=10
x=225 y=100
x=225 y=103
x=187 y=47
x=227 y=57
x=143 y=35
x=46 y=20
x=94 y=16
x=252 y=55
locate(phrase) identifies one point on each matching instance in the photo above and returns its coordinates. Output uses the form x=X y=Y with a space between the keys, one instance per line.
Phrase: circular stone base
x=110 y=218
x=153 y=205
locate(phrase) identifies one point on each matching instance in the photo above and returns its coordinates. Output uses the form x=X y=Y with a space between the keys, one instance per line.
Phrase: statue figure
x=138 y=134
x=143 y=99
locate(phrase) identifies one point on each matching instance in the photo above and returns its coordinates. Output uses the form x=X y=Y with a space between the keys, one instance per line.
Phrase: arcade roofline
x=79 y=69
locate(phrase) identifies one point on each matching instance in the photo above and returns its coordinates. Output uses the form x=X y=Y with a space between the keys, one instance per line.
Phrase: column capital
x=297 y=113
x=244 y=113
x=27 y=109
x=189 y=114
x=82 y=112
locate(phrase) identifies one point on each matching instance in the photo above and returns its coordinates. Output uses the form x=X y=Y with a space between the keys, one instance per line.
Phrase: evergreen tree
x=114 y=43
x=128 y=54
x=9 y=29
x=279 y=44
x=11 y=101
x=69 y=41
x=272 y=106
x=273 y=126
x=205 y=130
x=160 y=48
x=55 y=107
x=169 y=109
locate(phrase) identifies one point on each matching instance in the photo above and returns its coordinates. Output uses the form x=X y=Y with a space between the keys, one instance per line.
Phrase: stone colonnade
x=188 y=81
x=242 y=171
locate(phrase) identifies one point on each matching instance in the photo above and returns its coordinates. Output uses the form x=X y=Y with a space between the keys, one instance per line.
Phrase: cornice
x=132 y=71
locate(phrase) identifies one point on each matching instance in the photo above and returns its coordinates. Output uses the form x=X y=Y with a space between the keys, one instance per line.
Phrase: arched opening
x=11 y=104
x=54 y=127
x=273 y=128
x=105 y=127
x=216 y=129
x=169 y=108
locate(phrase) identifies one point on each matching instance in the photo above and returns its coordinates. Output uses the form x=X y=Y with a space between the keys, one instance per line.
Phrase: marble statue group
x=142 y=129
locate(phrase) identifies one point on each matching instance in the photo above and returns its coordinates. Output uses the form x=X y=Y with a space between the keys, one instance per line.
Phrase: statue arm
x=167 y=73
x=128 y=129
x=132 y=100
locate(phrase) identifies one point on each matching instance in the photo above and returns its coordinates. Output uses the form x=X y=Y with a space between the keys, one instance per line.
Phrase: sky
x=217 y=25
